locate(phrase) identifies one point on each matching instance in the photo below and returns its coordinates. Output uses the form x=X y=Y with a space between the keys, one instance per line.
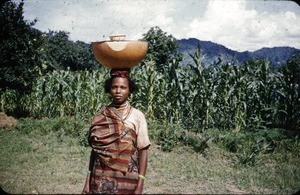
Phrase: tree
x=19 y=46
x=62 y=53
x=162 y=48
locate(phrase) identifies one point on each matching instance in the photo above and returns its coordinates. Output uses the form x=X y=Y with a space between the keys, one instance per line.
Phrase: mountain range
x=212 y=52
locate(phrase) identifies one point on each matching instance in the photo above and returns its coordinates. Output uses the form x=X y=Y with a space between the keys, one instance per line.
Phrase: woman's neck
x=124 y=104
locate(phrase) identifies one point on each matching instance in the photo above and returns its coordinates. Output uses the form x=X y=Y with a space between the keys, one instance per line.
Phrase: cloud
x=94 y=20
x=231 y=24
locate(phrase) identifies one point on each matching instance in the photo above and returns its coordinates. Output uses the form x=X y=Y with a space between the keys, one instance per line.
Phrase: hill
x=212 y=52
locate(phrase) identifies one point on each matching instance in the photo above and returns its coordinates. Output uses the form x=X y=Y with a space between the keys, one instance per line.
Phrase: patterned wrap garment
x=114 y=147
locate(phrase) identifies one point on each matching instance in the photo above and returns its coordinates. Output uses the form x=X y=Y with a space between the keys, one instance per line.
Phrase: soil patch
x=7 y=121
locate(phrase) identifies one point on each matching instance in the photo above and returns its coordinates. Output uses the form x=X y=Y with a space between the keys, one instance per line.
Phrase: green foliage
x=290 y=97
x=62 y=93
x=62 y=126
x=164 y=134
x=219 y=96
x=19 y=45
x=194 y=98
x=197 y=141
x=56 y=160
x=247 y=146
x=162 y=48
x=65 y=93
x=65 y=80
x=27 y=53
x=61 y=53
x=15 y=103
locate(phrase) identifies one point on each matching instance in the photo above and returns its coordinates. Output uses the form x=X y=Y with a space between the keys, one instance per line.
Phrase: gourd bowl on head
x=118 y=53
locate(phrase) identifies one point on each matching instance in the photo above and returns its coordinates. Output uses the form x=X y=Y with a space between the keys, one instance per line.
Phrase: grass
x=184 y=171
x=41 y=164
x=38 y=156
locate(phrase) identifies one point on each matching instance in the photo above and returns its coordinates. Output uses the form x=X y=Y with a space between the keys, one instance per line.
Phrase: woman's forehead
x=119 y=80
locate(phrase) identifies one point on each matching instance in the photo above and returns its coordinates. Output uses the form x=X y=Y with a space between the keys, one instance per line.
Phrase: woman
x=119 y=140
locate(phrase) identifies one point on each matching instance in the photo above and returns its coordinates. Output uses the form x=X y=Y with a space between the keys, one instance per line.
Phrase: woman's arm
x=86 y=188
x=143 y=154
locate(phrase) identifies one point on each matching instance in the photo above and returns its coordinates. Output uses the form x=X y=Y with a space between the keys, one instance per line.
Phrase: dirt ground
x=7 y=121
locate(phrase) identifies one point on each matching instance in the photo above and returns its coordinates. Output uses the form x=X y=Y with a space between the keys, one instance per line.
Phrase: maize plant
x=247 y=96
x=64 y=93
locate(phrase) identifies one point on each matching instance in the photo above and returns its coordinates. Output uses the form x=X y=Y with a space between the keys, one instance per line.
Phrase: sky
x=237 y=24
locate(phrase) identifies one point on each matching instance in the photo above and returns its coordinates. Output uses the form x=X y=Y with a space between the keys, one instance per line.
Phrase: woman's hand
x=86 y=190
x=143 y=154
x=138 y=191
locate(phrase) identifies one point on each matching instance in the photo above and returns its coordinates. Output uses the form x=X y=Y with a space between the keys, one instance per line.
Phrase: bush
x=247 y=145
x=66 y=126
x=164 y=134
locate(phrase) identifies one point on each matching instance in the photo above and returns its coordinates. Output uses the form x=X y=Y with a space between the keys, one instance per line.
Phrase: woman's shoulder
x=137 y=112
x=138 y=118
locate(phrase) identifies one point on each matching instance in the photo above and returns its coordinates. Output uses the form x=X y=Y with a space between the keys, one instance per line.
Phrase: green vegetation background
x=222 y=128
x=49 y=156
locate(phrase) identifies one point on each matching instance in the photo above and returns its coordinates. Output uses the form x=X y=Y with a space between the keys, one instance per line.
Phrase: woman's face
x=119 y=90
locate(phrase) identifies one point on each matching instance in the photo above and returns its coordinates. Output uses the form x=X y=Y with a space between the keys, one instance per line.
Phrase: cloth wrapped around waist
x=112 y=142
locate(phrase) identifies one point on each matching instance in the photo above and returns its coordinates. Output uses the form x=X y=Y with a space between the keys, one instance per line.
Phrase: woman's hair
x=132 y=86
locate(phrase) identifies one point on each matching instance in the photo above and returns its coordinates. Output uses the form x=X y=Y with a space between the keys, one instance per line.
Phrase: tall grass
x=65 y=93
x=252 y=95
x=249 y=96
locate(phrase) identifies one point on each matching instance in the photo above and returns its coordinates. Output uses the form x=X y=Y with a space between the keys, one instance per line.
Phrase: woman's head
x=120 y=86
x=132 y=86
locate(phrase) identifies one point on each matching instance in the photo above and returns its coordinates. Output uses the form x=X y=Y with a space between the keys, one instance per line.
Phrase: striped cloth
x=115 y=169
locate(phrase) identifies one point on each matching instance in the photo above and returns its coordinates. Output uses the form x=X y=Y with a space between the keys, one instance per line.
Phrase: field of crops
x=250 y=96
x=245 y=115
